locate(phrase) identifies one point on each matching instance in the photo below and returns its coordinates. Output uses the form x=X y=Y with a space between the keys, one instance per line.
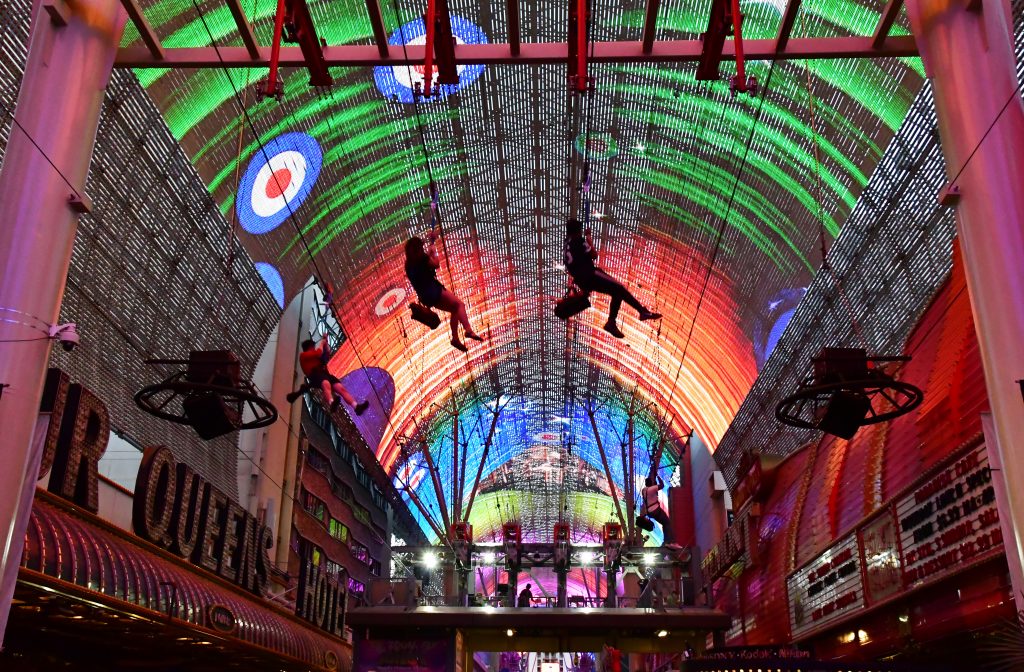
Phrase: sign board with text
x=827 y=588
x=949 y=520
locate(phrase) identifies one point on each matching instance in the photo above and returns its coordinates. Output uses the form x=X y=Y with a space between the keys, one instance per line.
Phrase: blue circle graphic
x=300 y=143
x=463 y=30
x=272 y=277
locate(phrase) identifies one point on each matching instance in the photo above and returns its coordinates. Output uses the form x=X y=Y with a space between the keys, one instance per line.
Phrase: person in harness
x=313 y=360
x=580 y=255
x=652 y=506
x=421 y=264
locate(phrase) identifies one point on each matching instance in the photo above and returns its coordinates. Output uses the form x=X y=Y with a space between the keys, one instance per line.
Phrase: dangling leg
x=456 y=341
x=341 y=392
x=661 y=517
x=606 y=284
x=603 y=283
x=292 y=396
x=451 y=303
x=325 y=387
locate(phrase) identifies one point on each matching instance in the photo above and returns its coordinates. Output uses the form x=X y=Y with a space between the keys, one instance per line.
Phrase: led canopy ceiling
x=705 y=203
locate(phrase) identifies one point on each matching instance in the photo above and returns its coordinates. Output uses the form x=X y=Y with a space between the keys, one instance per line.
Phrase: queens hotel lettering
x=174 y=507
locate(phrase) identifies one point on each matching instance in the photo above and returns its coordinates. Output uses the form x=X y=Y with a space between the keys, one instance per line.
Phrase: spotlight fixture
x=650 y=559
x=662 y=633
x=510 y=632
x=430 y=560
x=587 y=557
x=489 y=557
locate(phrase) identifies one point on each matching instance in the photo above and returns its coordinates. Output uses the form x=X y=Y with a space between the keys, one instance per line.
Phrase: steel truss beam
x=244 y=28
x=146 y=32
x=675 y=51
x=786 y=25
x=889 y=14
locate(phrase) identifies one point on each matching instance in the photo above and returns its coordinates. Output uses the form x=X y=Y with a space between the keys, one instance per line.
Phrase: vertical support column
x=58 y=109
x=280 y=463
x=968 y=55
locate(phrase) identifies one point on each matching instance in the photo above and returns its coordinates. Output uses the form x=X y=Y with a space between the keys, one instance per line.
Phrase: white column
x=66 y=72
x=969 y=58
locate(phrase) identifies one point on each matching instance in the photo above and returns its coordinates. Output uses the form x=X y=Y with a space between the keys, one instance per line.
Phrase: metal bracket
x=59 y=13
x=949 y=197
x=80 y=203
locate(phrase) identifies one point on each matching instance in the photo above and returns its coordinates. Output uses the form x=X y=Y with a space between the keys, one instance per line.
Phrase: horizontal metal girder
x=153 y=47
x=674 y=51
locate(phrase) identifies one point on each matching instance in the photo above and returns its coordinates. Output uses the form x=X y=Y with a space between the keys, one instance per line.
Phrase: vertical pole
x=582 y=44
x=737 y=37
x=66 y=73
x=607 y=470
x=275 y=50
x=969 y=57
x=428 y=51
x=456 y=484
x=561 y=596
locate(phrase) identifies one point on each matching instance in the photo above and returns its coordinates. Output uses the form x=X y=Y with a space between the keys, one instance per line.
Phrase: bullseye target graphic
x=547 y=437
x=388 y=301
x=399 y=82
x=277 y=180
x=596 y=145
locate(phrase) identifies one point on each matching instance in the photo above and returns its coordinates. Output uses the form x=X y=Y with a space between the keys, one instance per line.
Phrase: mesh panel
x=147 y=273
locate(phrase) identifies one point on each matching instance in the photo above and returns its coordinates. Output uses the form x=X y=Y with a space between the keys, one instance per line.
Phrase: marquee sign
x=827 y=588
x=173 y=507
x=949 y=520
x=177 y=509
x=735 y=545
x=946 y=521
x=321 y=599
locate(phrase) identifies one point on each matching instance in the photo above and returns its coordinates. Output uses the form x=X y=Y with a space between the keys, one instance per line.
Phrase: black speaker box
x=210 y=416
x=844 y=414
x=833 y=365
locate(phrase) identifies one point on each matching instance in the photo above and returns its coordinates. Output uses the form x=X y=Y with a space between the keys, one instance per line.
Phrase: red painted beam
x=582 y=43
x=889 y=14
x=430 y=24
x=512 y=19
x=650 y=25
x=786 y=25
x=380 y=34
x=309 y=43
x=444 y=46
x=713 y=41
x=674 y=51
x=245 y=30
x=146 y=32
